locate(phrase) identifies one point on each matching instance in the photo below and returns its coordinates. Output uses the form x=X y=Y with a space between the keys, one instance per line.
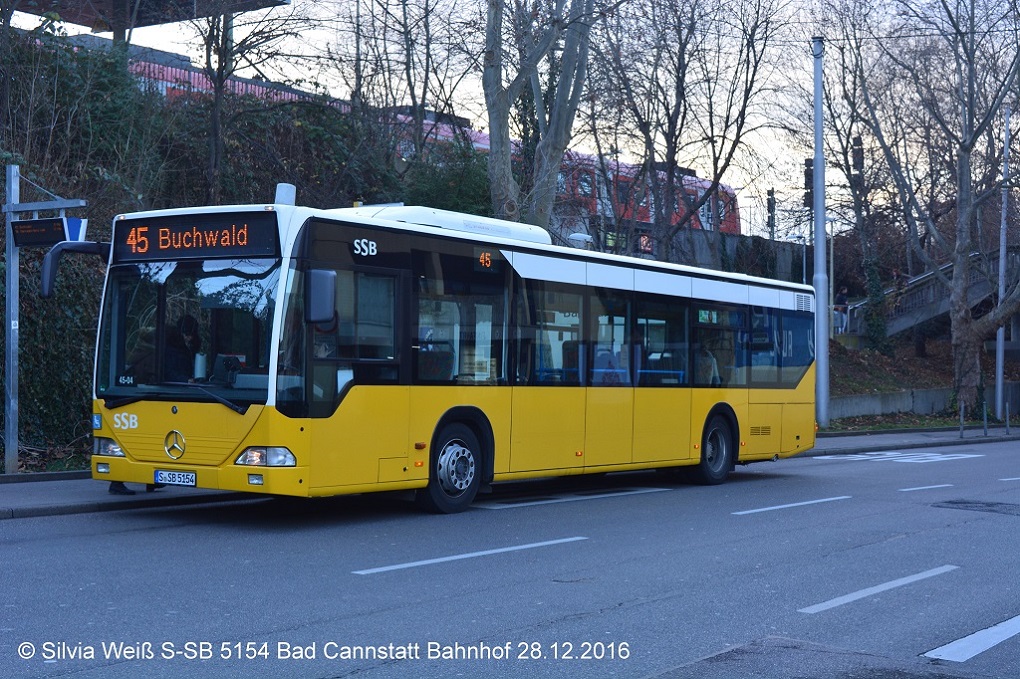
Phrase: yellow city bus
x=294 y=351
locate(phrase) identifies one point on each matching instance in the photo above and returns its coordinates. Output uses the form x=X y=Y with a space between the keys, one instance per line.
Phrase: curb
x=814 y=452
x=115 y=505
x=29 y=477
x=910 y=430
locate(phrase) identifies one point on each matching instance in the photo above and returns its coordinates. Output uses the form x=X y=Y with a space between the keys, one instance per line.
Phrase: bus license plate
x=175 y=478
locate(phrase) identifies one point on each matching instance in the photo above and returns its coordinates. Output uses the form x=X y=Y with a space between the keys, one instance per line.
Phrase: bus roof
x=454 y=221
x=449 y=224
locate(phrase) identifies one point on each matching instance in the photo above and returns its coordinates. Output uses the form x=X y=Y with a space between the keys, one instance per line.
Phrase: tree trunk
x=967 y=366
x=6 y=67
x=504 y=189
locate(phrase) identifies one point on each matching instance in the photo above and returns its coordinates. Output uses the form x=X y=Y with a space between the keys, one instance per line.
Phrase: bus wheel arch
x=460 y=461
x=718 y=446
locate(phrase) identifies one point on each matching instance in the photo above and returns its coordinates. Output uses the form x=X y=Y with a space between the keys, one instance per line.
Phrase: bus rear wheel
x=454 y=471
x=716 y=452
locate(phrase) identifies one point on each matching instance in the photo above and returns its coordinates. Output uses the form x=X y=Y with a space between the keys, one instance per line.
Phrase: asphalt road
x=896 y=565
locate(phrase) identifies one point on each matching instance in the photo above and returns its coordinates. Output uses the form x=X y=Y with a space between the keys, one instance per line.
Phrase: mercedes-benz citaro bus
x=307 y=352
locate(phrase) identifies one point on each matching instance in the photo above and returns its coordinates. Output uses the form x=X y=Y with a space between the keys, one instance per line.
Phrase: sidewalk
x=906 y=439
x=52 y=494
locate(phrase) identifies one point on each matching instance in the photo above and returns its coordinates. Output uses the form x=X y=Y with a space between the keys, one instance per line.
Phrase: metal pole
x=803 y=260
x=832 y=276
x=11 y=355
x=821 y=278
x=1000 y=333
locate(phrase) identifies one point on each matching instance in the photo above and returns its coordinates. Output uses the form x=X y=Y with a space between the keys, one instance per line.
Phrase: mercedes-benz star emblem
x=174 y=444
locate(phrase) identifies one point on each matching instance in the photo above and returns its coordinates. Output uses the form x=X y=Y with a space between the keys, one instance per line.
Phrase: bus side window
x=551 y=314
x=571 y=361
x=610 y=337
x=660 y=341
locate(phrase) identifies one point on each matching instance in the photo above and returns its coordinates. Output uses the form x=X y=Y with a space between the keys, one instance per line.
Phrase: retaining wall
x=920 y=401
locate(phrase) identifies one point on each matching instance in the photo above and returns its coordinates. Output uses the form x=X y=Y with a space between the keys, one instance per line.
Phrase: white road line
x=795 y=504
x=870 y=591
x=469 y=555
x=567 y=498
x=910 y=490
x=966 y=648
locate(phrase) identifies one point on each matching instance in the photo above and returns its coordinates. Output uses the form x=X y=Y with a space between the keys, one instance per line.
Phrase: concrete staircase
x=925 y=297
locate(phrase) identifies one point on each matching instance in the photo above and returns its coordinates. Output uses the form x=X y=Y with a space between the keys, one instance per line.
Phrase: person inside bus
x=706 y=368
x=639 y=352
x=324 y=340
x=182 y=343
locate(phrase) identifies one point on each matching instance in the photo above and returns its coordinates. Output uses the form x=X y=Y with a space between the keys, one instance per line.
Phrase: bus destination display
x=237 y=235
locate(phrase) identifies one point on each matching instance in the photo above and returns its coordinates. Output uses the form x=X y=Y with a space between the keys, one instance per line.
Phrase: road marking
x=910 y=490
x=568 y=498
x=870 y=591
x=794 y=504
x=966 y=648
x=469 y=555
x=896 y=456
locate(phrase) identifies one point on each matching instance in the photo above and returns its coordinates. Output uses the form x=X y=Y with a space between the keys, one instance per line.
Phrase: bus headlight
x=105 y=446
x=266 y=456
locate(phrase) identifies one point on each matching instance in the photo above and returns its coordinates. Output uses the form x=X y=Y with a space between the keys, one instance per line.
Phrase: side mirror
x=52 y=260
x=320 y=295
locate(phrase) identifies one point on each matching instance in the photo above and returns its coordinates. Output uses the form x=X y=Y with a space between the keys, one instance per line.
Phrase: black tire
x=455 y=471
x=716 y=452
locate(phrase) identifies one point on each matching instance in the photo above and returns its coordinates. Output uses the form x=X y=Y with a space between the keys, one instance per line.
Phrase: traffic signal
x=809 y=182
x=857 y=152
x=771 y=207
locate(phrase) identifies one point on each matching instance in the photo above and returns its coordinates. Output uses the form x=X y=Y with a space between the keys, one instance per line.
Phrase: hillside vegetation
x=864 y=371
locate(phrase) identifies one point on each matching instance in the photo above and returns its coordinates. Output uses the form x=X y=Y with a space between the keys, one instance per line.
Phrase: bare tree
x=550 y=41
x=955 y=63
x=405 y=63
x=691 y=78
x=848 y=142
x=231 y=42
x=7 y=8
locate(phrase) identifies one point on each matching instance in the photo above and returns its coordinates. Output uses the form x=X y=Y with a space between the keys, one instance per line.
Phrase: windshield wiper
x=240 y=410
x=112 y=403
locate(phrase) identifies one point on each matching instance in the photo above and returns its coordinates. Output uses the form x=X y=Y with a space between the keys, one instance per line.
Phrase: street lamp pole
x=1000 y=334
x=821 y=278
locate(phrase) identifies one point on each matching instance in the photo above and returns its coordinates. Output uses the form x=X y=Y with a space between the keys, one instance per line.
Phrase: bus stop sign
x=39 y=232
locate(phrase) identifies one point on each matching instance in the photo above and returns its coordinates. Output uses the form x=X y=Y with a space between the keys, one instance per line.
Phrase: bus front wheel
x=454 y=471
x=716 y=452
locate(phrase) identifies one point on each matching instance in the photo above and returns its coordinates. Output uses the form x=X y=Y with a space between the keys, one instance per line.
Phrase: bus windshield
x=193 y=329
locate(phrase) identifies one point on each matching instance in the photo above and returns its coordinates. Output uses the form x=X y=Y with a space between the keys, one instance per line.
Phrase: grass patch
x=57 y=459
x=901 y=421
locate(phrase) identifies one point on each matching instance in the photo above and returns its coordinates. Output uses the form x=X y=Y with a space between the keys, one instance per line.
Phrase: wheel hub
x=456 y=468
